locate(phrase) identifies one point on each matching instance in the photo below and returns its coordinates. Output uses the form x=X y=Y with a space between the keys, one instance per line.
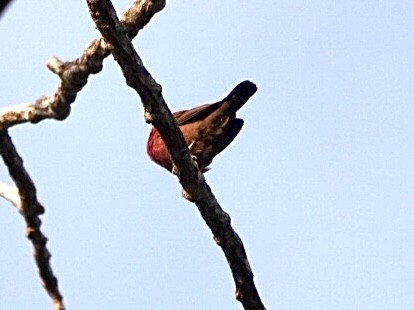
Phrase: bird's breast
x=157 y=150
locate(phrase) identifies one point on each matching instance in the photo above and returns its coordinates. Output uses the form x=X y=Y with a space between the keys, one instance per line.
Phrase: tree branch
x=11 y=194
x=25 y=200
x=193 y=182
x=3 y=5
x=74 y=75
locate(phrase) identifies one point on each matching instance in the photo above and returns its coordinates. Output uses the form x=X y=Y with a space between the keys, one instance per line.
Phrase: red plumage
x=207 y=129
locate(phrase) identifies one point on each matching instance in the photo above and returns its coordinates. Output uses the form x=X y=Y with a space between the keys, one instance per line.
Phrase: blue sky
x=319 y=183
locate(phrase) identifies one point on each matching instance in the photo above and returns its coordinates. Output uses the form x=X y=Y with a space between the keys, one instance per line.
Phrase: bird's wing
x=191 y=115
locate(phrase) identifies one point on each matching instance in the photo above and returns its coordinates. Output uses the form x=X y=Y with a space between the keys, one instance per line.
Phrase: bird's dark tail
x=242 y=92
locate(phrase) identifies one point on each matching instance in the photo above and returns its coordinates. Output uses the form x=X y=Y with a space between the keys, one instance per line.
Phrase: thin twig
x=193 y=182
x=74 y=74
x=30 y=208
x=11 y=194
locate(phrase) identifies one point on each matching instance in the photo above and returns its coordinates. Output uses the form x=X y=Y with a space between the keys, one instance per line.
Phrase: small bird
x=207 y=129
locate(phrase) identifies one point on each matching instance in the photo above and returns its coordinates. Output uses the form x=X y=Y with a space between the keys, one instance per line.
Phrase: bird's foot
x=174 y=170
x=186 y=195
x=194 y=158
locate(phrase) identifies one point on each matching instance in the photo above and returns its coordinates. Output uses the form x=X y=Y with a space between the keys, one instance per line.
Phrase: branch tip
x=55 y=65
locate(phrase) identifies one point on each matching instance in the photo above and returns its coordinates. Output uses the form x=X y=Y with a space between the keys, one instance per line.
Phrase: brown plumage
x=207 y=129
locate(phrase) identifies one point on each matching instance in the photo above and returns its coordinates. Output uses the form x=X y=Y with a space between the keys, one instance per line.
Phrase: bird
x=207 y=129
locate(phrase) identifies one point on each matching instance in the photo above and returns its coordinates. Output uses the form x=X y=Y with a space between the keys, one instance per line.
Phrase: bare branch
x=29 y=207
x=74 y=75
x=11 y=194
x=193 y=182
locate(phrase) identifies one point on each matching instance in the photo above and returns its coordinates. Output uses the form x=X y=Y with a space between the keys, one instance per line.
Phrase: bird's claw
x=174 y=170
x=186 y=195
x=194 y=158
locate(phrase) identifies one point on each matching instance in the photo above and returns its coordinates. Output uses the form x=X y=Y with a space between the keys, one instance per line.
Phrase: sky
x=319 y=183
